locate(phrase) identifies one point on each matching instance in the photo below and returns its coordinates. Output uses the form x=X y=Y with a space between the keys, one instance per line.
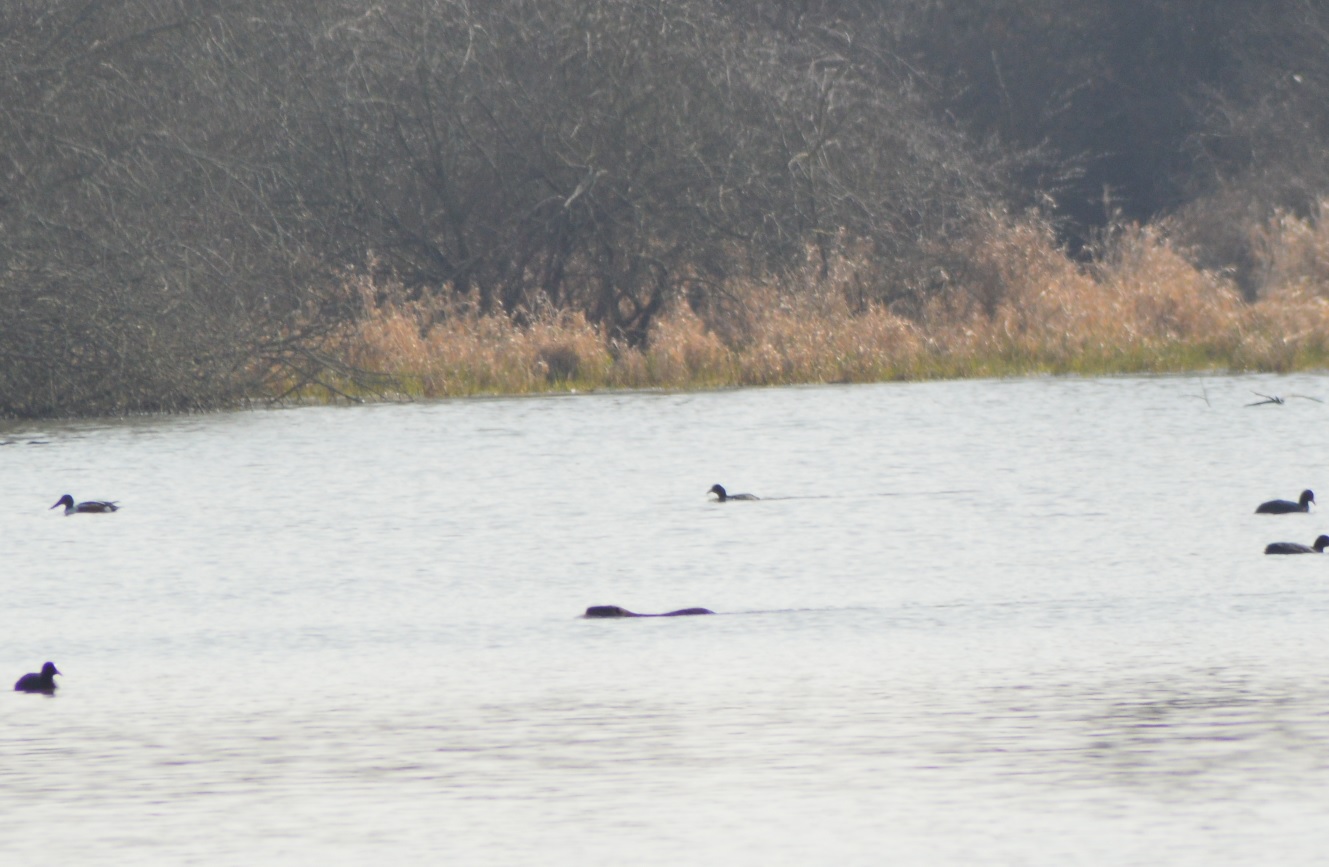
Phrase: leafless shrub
x=144 y=261
x=611 y=157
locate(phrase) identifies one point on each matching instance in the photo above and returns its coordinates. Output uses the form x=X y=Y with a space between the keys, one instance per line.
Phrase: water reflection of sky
x=1023 y=621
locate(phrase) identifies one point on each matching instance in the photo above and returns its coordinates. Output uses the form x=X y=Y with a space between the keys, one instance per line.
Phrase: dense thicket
x=1207 y=110
x=186 y=184
x=144 y=263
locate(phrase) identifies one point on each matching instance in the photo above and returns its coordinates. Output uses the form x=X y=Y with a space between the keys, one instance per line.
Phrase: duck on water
x=724 y=495
x=614 y=611
x=44 y=682
x=1293 y=548
x=87 y=507
x=1284 y=507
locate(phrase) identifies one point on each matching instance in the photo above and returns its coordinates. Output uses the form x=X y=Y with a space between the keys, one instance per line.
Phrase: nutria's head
x=608 y=611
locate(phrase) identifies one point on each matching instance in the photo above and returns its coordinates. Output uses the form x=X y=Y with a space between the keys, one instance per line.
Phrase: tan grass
x=1294 y=254
x=1020 y=306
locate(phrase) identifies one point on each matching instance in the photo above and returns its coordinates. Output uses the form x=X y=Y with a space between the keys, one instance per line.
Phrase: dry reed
x=1021 y=306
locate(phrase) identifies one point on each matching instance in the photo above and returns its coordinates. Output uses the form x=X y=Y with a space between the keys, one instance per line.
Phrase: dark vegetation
x=186 y=186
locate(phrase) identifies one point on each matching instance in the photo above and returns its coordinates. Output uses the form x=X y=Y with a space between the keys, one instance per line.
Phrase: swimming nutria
x=615 y=611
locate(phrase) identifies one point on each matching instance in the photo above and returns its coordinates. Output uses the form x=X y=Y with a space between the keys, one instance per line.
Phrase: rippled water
x=971 y=622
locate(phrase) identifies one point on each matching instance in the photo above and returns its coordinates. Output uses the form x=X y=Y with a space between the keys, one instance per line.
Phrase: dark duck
x=1284 y=507
x=1294 y=548
x=44 y=682
x=87 y=507
x=725 y=496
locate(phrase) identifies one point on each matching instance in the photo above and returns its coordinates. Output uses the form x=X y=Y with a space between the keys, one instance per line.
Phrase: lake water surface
x=999 y=622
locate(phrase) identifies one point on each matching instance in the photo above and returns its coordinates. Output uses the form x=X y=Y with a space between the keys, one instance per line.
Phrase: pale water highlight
x=968 y=622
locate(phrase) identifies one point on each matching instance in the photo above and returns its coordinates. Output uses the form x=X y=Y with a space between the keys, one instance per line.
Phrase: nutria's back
x=615 y=611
